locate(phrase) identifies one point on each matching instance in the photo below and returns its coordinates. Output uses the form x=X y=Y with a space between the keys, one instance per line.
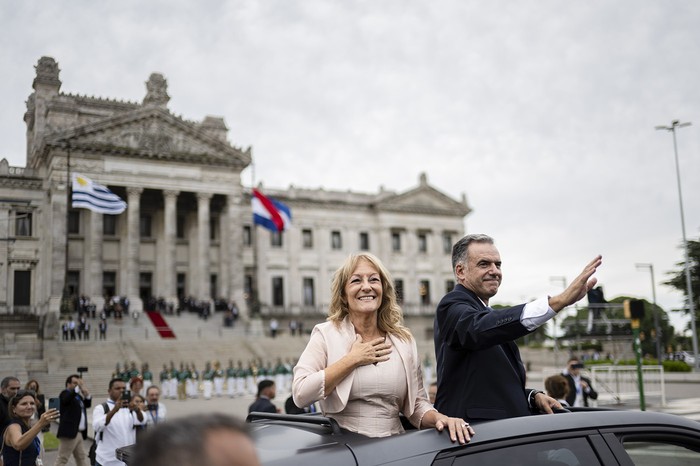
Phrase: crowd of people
x=360 y=367
x=185 y=381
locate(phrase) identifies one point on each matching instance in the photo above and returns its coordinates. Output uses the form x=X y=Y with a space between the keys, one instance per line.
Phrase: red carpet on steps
x=161 y=325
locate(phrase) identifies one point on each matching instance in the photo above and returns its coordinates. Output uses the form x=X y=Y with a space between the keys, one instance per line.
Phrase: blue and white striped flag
x=90 y=195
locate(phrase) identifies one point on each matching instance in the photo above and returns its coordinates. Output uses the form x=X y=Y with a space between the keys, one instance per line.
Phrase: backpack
x=92 y=453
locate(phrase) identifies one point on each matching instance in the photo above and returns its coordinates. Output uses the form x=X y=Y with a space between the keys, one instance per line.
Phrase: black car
x=604 y=437
x=586 y=438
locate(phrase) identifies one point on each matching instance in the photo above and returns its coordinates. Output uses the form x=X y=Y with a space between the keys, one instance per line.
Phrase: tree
x=678 y=280
x=575 y=326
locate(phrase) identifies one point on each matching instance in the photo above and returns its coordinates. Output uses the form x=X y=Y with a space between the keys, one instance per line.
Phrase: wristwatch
x=531 y=398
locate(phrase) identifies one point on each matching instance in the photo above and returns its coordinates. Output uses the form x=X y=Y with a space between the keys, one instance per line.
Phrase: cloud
x=541 y=112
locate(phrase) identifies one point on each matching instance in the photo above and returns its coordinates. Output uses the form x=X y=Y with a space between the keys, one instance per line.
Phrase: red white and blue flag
x=270 y=213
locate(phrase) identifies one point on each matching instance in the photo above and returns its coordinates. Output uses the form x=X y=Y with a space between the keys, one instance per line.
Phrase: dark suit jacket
x=4 y=413
x=262 y=405
x=571 y=396
x=479 y=371
x=70 y=414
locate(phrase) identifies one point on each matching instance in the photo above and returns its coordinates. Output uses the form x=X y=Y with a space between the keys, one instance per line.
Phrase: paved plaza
x=686 y=407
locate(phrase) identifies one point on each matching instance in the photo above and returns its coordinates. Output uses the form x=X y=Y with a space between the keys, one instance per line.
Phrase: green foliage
x=676 y=366
x=576 y=325
x=50 y=441
x=669 y=366
x=678 y=280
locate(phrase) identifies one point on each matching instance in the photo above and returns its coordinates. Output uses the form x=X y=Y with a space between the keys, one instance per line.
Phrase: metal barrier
x=618 y=384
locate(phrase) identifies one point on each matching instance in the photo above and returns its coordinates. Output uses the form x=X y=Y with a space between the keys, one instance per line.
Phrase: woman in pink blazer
x=362 y=365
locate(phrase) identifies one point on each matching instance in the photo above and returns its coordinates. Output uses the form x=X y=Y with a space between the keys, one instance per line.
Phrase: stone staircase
x=197 y=341
x=50 y=361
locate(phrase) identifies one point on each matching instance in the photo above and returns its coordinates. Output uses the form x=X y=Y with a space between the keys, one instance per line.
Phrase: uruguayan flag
x=90 y=195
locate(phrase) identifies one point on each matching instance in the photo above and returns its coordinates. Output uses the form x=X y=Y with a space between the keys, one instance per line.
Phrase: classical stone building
x=188 y=227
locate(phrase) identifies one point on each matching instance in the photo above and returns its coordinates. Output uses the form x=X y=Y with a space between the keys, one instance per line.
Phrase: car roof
x=290 y=440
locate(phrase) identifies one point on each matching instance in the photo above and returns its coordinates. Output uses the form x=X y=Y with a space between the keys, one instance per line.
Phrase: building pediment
x=153 y=133
x=423 y=199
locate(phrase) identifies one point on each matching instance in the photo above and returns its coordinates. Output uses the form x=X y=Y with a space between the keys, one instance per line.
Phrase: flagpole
x=69 y=189
x=255 y=302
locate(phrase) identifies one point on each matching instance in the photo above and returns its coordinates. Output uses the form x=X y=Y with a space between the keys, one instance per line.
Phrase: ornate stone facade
x=188 y=228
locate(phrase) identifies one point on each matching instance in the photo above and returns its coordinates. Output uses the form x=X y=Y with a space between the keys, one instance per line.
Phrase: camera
x=578 y=365
x=82 y=369
x=126 y=396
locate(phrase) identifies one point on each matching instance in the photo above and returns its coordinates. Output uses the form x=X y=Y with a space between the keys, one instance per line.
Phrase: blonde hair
x=389 y=315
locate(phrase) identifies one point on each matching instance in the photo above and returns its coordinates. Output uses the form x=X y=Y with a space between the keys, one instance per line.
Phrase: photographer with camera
x=580 y=388
x=72 y=426
x=115 y=423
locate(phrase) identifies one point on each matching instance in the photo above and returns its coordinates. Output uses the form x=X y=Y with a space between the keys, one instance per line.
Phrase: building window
x=277 y=291
x=276 y=239
x=447 y=242
x=109 y=225
x=422 y=242
x=307 y=239
x=214 y=233
x=309 y=299
x=180 y=223
x=398 y=286
x=336 y=240
x=424 y=291
x=74 y=222
x=23 y=224
x=364 y=241
x=396 y=241
x=449 y=285
x=247 y=236
x=109 y=284
x=145 y=226
x=213 y=286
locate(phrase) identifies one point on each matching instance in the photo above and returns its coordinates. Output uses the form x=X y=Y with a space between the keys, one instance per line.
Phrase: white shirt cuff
x=536 y=313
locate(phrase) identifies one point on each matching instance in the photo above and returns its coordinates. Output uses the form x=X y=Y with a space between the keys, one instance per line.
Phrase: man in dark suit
x=8 y=388
x=266 y=392
x=73 y=403
x=479 y=370
x=580 y=388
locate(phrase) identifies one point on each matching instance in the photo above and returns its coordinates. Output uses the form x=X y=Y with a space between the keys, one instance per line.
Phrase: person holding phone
x=73 y=402
x=115 y=423
x=580 y=388
x=21 y=441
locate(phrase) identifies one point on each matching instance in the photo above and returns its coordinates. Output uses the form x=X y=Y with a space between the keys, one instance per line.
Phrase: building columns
x=234 y=260
x=133 y=240
x=169 y=258
x=94 y=269
x=203 y=246
x=57 y=218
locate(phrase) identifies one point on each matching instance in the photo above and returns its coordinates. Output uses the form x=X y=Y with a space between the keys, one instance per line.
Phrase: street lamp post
x=657 y=329
x=691 y=304
x=554 y=323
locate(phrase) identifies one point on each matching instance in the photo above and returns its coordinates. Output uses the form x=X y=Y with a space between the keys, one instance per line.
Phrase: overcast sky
x=541 y=112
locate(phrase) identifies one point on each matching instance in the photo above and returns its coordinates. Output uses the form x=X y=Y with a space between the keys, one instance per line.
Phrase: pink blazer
x=327 y=345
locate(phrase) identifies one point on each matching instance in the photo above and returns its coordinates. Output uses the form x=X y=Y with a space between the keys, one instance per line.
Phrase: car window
x=563 y=452
x=654 y=453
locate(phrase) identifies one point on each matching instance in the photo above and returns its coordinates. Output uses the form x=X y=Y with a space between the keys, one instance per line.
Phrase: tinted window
x=655 y=453
x=564 y=452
